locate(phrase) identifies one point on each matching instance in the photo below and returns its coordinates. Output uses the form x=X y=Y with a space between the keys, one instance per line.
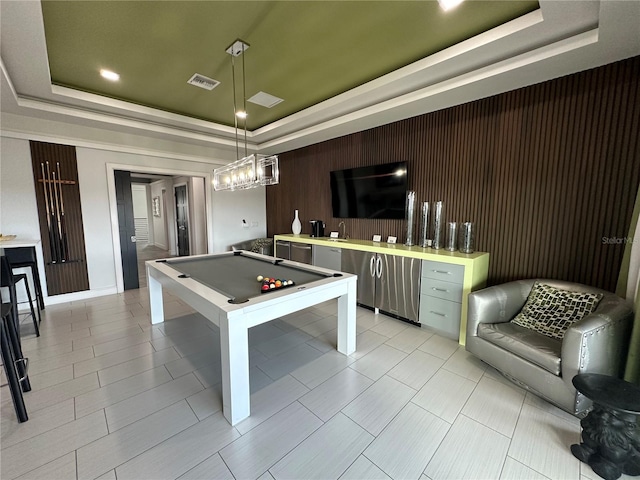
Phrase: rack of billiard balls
x=269 y=284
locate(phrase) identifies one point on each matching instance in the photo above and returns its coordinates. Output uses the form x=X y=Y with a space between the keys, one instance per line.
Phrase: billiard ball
x=278 y=283
x=260 y=278
x=265 y=287
x=272 y=285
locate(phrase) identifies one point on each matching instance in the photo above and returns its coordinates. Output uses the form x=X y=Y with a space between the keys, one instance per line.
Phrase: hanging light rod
x=253 y=170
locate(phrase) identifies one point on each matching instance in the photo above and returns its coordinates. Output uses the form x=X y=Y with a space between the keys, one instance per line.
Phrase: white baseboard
x=78 y=296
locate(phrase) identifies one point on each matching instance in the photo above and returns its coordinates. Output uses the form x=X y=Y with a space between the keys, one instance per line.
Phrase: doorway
x=166 y=221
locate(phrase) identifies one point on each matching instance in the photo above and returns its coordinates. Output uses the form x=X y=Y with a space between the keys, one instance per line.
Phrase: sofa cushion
x=263 y=246
x=525 y=343
x=550 y=311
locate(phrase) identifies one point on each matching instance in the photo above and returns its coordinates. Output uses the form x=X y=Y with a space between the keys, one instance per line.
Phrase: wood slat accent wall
x=547 y=173
x=71 y=275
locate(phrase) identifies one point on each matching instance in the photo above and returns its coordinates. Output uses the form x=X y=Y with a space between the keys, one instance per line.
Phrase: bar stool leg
x=12 y=377
x=33 y=312
x=36 y=282
x=20 y=363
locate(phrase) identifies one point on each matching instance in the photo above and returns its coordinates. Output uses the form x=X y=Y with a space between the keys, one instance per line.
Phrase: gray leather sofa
x=545 y=366
x=257 y=245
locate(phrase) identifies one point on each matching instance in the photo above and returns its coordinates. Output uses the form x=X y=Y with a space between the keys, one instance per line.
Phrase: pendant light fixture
x=253 y=170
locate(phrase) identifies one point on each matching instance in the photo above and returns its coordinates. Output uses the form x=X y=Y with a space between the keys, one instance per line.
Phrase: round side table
x=610 y=432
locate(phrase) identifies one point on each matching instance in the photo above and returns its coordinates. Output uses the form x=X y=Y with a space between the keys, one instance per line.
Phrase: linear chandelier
x=253 y=170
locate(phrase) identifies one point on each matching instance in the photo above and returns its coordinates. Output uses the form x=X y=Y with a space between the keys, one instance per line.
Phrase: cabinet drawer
x=439 y=289
x=441 y=315
x=447 y=272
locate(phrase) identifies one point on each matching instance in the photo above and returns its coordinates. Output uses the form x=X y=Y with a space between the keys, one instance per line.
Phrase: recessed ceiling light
x=447 y=5
x=109 y=75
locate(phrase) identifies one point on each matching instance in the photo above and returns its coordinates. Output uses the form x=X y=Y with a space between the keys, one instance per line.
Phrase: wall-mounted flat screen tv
x=378 y=191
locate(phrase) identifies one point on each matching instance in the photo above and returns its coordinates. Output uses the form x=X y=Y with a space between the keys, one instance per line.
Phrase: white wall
x=229 y=228
x=147 y=191
x=18 y=212
x=198 y=217
x=139 y=198
x=141 y=207
x=158 y=223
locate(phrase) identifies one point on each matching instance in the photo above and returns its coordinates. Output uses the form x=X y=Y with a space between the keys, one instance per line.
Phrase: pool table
x=224 y=288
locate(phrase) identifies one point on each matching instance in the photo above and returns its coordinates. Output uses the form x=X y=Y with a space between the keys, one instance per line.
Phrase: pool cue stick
x=55 y=190
x=65 y=249
x=56 y=241
x=46 y=203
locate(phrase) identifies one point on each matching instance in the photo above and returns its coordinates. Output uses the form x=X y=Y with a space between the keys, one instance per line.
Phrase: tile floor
x=114 y=397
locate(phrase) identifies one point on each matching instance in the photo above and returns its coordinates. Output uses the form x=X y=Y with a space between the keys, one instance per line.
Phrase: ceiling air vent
x=203 y=82
x=264 y=99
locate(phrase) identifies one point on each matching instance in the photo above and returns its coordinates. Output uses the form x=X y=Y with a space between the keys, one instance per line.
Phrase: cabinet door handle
x=438 y=313
x=301 y=248
x=442 y=271
x=439 y=289
x=379 y=267
x=372 y=269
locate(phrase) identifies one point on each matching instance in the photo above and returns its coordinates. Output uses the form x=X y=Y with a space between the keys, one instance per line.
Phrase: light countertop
x=383 y=247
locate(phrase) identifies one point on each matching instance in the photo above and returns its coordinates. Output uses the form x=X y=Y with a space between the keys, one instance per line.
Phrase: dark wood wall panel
x=66 y=271
x=546 y=172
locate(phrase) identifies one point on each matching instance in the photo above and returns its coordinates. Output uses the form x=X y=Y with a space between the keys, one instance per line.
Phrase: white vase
x=296 y=226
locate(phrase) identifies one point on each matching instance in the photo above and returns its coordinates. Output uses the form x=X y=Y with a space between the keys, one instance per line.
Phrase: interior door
x=127 y=229
x=182 y=219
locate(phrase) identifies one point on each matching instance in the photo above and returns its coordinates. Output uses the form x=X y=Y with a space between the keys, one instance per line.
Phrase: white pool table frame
x=234 y=320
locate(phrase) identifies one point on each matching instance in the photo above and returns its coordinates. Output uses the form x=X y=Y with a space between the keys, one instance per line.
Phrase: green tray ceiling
x=302 y=51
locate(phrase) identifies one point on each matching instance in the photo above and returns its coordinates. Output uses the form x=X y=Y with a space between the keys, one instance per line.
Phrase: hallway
x=148 y=252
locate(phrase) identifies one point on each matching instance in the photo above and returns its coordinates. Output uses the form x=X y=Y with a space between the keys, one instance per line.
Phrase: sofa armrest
x=497 y=304
x=598 y=343
x=246 y=245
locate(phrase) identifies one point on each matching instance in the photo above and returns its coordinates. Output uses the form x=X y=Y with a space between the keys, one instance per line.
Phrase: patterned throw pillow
x=260 y=243
x=551 y=311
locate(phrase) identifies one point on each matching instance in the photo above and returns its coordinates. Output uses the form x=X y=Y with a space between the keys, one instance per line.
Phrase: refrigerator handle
x=372 y=270
x=379 y=267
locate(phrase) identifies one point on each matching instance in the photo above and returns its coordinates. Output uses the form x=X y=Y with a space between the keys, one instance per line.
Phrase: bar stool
x=9 y=279
x=25 y=257
x=11 y=363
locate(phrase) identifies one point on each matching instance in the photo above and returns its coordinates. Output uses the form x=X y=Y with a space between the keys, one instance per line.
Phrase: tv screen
x=378 y=191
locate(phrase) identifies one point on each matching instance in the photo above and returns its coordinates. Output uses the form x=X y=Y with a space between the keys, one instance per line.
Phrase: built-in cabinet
x=282 y=249
x=327 y=257
x=441 y=296
x=426 y=286
x=295 y=251
x=389 y=283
